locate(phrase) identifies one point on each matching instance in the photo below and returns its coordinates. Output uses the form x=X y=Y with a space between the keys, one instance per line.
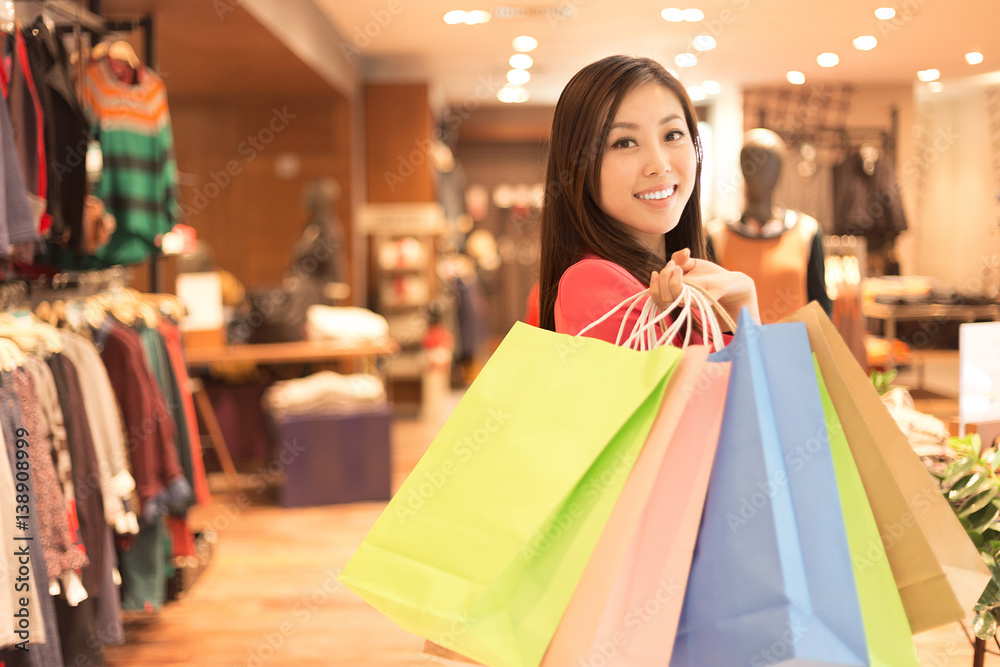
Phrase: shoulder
x=589 y=289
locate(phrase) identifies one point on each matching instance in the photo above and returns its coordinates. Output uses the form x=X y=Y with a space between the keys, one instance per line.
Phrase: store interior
x=380 y=165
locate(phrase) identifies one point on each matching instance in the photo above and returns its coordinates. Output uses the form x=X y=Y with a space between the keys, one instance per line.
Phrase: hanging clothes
x=67 y=133
x=117 y=484
x=29 y=128
x=867 y=203
x=17 y=223
x=139 y=178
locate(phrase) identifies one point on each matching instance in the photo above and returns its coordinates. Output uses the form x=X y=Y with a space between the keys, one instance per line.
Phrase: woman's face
x=649 y=167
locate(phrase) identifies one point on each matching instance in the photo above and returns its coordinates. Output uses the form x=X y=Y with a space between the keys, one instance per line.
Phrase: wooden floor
x=271 y=595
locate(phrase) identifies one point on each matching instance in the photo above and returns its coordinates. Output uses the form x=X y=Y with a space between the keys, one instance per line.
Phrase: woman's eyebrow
x=633 y=126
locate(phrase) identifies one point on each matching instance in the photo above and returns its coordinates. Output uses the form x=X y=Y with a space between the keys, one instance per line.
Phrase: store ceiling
x=758 y=40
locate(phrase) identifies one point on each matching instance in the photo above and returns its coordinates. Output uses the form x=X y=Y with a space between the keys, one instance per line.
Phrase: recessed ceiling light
x=477 y=16
x=512 y=95
x=686 y=60
x=865 y=43
x=974 y=57
x=796 y=77
x=672 y=14
x=694 y=15
x=827 y=59
x=928 y=75
x=711 y=87
x=696 y=93
x=935 y=86
x=455 y=17
x=885 y=13
x=518 y=77
x=525 y=43
x=521 y=61
x=703 y=42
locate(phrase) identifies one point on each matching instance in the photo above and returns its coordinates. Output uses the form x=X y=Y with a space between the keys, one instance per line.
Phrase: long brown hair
x=572 y=220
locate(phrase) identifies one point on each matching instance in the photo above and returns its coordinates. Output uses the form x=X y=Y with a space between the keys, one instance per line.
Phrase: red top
x=592 y=287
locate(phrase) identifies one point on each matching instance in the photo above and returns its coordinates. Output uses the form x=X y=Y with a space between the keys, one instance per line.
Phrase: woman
x=622 y=196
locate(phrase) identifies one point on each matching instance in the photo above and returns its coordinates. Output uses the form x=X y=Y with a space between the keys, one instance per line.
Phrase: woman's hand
x=733 y=290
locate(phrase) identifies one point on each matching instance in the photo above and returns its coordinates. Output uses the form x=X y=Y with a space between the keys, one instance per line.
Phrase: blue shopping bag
x=771 y=581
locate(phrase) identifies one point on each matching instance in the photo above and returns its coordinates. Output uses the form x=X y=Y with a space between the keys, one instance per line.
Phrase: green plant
x=882 y=380
x=972 y=488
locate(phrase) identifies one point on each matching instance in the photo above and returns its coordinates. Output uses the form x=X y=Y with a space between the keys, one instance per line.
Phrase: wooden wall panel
x=398 y=133
x=227 y=152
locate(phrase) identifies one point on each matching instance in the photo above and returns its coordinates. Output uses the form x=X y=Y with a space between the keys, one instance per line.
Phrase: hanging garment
x=104 y=417
x=175 y=349
x=67 y=133
x=17 y=223
x=29 y=129
x=868 y=203
x=159 y=478
x=139 y=178
x=44 y=640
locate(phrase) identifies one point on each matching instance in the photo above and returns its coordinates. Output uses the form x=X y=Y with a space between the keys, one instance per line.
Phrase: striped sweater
x=138 y=182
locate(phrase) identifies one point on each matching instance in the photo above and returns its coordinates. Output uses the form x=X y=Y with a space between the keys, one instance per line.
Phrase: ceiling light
x=974 y=57
x=827 y=59
x=694 y=15
x=521 y=61
x=518 y=77
x=696 y=93
x=454 y=17
x=711 y=87
x=703 y=42
x=686 y=60
x=512 y=95
x=928 y=75
x=885 y=13
x=935 y=86
x=525 y=43
x=673 y=15
x=798 y=78
x=477 y=16
x=865 y=43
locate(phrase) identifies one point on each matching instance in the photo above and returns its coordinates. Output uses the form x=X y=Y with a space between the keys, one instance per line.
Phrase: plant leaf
x=979 y=501
x=982 y=519
x=973 y=487
x=984 y=625
x=958 y=469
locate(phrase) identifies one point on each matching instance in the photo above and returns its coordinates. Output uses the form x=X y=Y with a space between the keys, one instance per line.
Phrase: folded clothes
x=324 y=393
x=347 y=324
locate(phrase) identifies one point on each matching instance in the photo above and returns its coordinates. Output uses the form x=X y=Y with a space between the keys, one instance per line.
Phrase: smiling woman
x=622 y=198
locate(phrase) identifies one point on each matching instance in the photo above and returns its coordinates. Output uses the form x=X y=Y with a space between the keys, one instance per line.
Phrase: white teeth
x=660 y=194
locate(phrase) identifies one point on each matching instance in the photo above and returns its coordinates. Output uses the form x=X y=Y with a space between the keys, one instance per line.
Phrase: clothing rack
x=849 y=137
x=71 y=284
x=79 y=17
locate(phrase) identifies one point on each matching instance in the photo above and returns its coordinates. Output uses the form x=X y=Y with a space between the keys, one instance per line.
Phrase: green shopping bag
x=481 y=548
x=890 y=642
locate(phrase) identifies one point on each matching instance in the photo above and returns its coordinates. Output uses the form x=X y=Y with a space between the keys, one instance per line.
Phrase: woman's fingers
x=683 y=259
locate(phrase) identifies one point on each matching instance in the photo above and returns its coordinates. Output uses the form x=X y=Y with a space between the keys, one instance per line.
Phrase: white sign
x=979 y=373
x=201 y=294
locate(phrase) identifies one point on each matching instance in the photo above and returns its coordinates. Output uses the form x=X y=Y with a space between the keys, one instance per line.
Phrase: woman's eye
x=674 y=135
x=623 y=143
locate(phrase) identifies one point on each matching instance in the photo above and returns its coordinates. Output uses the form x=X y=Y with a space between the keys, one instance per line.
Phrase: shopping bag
x=640 y=619
x=937 y=569
x=771 y=581
x=890 y=643
x=481 y=548
x=576 y=631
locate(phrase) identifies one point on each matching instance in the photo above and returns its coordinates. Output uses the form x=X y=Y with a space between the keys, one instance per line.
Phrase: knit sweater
x=138 y=182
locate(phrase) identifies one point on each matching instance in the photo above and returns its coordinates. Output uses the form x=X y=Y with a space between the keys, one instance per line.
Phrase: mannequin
x=781 y=249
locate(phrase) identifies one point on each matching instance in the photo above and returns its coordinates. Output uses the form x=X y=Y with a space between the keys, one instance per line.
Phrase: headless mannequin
x=780 y=249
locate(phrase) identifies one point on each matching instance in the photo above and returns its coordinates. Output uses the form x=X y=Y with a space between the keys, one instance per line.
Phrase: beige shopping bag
x=937 y=569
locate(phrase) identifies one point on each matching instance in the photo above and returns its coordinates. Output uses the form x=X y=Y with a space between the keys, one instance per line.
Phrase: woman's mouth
x=657 y=194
